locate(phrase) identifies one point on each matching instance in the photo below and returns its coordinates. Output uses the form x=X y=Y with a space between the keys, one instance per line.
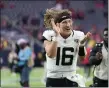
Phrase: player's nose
x=68 y=24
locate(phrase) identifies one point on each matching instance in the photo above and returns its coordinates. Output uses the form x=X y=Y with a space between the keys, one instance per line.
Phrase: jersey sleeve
x=48 y=34
x=81 y=35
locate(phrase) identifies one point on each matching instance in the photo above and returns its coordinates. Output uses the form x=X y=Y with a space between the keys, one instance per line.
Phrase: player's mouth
x=67 y=29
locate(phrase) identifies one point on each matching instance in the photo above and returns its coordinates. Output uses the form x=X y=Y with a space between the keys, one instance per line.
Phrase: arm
x=51 y=45
x=50 y=48
x=82 y=50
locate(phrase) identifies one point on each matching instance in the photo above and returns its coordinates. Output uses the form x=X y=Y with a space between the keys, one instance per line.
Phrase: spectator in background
x=99 y=58
x=3 y=43
x=24 y=55
x=12 y=60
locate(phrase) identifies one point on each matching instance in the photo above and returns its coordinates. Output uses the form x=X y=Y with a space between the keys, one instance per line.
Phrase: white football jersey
x=67 y=53
x=101 y=71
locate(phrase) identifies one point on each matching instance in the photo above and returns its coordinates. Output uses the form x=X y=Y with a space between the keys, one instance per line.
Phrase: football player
x=63 y=45
x=99 y=58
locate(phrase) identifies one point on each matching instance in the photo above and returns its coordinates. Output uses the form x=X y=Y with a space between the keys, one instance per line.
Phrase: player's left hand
x=87 y=36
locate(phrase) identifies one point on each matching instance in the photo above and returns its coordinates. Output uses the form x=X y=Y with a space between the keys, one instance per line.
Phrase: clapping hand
x=87 y=36
x=55 y=27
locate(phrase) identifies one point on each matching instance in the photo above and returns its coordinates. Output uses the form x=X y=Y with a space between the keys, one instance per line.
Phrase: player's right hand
x=55 y=27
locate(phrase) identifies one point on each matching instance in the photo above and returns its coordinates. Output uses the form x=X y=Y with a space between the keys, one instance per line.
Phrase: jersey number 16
x=64 y=56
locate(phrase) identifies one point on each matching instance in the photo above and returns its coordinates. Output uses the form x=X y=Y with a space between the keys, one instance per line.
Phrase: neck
x=65 y=36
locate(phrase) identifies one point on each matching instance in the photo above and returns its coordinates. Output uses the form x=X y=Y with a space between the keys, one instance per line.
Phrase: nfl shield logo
x=76 y=40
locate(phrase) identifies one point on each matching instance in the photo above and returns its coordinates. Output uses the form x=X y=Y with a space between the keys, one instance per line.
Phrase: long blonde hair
x=52 y=13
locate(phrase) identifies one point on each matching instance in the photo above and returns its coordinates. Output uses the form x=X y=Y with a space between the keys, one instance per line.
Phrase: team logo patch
x=76 y=40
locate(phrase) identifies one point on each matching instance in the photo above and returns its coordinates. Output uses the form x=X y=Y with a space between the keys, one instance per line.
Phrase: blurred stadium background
x=24 y=19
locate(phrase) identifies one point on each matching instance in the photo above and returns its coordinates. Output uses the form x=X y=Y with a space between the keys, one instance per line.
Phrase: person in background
x=24 y=61
x=12 y=60
x=99 y=58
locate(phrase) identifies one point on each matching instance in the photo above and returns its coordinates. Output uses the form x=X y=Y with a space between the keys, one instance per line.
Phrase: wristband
x=82 y=51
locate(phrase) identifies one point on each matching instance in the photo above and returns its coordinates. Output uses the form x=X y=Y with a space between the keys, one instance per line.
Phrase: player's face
x=105 y=36
x=66 y=26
